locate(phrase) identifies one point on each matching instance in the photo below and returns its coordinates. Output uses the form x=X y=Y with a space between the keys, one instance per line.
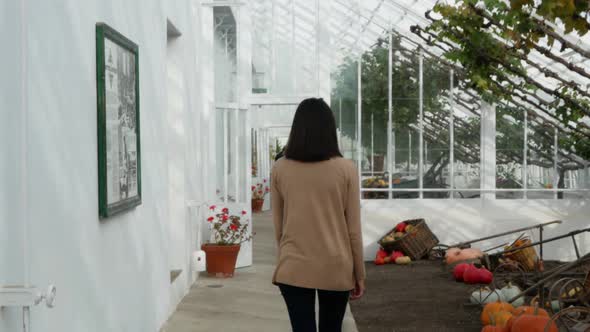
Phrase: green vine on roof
x=492 y=41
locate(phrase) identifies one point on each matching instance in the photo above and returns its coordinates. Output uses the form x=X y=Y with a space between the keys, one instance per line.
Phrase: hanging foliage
x=493 y=41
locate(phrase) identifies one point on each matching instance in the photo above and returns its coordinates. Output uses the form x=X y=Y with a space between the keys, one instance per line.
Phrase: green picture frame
x=119 y=148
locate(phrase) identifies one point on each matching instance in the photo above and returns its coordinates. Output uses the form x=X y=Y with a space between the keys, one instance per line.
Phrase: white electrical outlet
x=199 y=261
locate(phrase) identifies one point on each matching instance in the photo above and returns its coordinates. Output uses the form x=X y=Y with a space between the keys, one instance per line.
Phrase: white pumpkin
x=484 y=295
x=510 y=291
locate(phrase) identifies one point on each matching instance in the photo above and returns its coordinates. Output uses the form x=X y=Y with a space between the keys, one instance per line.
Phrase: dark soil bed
x=420 y=297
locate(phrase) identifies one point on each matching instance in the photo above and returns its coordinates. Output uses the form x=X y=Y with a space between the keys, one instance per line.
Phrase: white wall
x=111 y=275
x=458 y=220
x=11 y=266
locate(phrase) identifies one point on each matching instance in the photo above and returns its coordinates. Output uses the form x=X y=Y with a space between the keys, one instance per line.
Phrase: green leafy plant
x=492 y=41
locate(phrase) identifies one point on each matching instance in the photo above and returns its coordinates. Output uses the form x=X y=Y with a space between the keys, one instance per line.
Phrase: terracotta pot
x=257 y=205
x=221 y=260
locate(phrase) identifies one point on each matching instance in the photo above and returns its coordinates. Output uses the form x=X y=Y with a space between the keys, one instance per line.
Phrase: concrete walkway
x=247 y=302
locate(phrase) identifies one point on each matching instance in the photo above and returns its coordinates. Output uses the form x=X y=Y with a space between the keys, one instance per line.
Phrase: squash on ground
x=484 y=295
x=510 y=291
x=530 y=310
x=498 y=322
x=475 y=275
x=458 y=271
x=491 y=308
x=501 y=318
x=454 y=255
x=403 y=260
x=492 y=328
x=532 y=323
x=396 y=254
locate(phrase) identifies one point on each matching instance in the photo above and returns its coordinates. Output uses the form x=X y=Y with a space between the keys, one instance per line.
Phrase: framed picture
x=119 y=157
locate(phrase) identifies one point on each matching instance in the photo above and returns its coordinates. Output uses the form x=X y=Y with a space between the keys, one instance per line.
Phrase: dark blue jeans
x=301 y=306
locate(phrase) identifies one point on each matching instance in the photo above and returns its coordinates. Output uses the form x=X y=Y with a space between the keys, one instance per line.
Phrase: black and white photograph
x=120 y=117
x=119 y=113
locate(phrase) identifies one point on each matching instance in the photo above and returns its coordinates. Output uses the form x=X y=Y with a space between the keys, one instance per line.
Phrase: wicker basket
x=526 y=257
x=415 y=244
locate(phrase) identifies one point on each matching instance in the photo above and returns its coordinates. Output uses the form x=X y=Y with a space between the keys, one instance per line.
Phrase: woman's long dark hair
x=313 y=133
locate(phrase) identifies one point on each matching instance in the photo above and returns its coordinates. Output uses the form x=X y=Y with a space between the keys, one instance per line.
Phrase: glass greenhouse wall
x=421 y=131
x=471 y=154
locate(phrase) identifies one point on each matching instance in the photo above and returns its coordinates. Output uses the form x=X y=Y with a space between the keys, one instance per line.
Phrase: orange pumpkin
x=530 y=310
x=501 y=318
x=492 y=328
x=509 y=323
x=532 y=323
x=492 y=308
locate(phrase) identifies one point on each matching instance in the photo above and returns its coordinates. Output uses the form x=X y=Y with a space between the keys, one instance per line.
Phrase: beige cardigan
x=316 y=214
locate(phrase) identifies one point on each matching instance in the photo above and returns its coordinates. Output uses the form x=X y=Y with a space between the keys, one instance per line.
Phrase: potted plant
x=229 y=232
x=259 y=191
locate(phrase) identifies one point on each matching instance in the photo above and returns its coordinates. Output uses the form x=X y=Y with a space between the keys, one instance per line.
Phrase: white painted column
x=372 y=146
x=452 y=132
x=555 y=161
x=24 y=138
x=390 y=155
x=421 y=124
x=225 y=156
x=324 y=52
x=273 y=49
x=340 y=123
x=293 y=49
x=488 y=149
x=359 y=120
x=525 y=153
x=409 y=152
x=317 y=47
x=238 y=126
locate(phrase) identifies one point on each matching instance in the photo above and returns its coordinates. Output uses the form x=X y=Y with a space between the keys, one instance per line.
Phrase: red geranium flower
x=233 y=227
x=244 y=212
x=210 y=219
x=253 y=188
x=225 y=210
x=264 y=180
x=212 y=207
x=225 y=217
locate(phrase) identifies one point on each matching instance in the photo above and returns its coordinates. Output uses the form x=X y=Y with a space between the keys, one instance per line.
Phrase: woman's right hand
x=358 y=291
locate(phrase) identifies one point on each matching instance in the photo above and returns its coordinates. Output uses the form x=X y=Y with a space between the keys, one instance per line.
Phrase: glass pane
x=467 y=134
x=282 y=44
x=374 y=121
x=220 y=153
x=436 y=112
x=509 y=150
x=254 y=140
x=234 y=135
x=305 y=44
x=344 y=105
x=242 y=133
x=572 y=172
x=540 y=156
x=225 y=54
x=405 y=136
x=261 y=46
